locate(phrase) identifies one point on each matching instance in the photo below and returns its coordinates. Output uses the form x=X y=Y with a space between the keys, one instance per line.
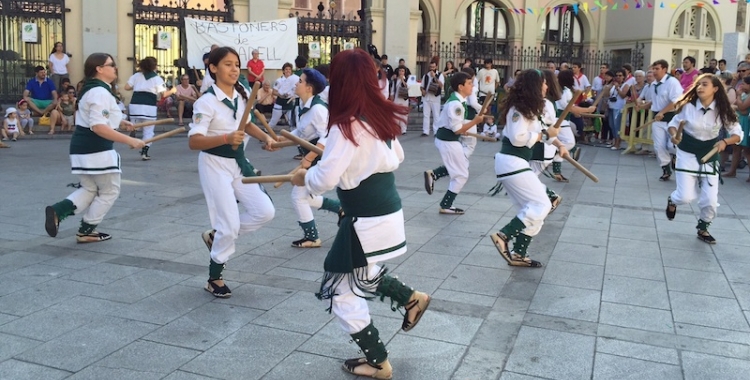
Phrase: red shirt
x=255 y=67
x=687 y=79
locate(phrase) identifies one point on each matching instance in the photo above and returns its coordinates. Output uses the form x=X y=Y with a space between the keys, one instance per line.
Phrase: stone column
x=398 y=39
x=100 y=27
x=446 y=22
x=734 y=49
x=530 y=32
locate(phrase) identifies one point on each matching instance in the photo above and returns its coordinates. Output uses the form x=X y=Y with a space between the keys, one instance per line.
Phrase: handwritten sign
x=275 y=40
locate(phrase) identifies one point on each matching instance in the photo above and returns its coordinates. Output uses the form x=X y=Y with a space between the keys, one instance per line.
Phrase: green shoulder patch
x=105 y=113
x=459 y=111
x=197 y=117
x=516 y=116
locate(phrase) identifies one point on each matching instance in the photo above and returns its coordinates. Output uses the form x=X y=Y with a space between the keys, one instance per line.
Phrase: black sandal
x=93 y=237
x=407 y=325
x=706 y=237
x=560 y=178
x=671 y=209
x=382 y=373
x=501 y=243
x=523 y=261
x=218 y=291
x=51 y=222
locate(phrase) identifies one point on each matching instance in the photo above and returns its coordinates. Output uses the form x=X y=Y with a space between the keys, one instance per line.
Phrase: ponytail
x=241 y=89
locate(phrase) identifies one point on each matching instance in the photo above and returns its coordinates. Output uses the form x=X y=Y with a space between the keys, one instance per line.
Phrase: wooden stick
x=284 y=144
x=601 y=95
x=592 y=115
x=165 y=135
x=303 y=143
x=481 y=137
x=710 y=154
x=263 y=121
x=248 y=107
x=487 y=103
x=150 y=123
x=582 y=169
x=567 y=109
x=280 y=183
x=678 y=135
x=646 y=124
x=268 y=179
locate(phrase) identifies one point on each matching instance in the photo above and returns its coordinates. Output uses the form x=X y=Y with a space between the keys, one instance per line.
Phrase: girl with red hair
x=362 y=152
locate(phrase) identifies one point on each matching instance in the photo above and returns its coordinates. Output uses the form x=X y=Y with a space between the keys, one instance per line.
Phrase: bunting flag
x=590 y=6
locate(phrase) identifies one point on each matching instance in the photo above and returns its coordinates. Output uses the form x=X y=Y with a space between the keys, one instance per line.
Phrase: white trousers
x=97 y=194
x=430 y=107
x=455 y=160
x=148 y=132
x=687 y=191
x=403 y=102
x=469 y=142
x=662 y=142
x=352 y=310
x=222 y=185
x=276 y=116
x=303 y=202
x=529 y=195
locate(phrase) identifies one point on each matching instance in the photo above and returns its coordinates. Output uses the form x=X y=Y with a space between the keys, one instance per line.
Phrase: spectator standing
x=489 y=79
x=388 y=68
x=41 y=95
x=400 y=95
x=580 y=82
x=402 y=62
x=186 y=95
x=690 y=74
x=511 y=81
x=24 y=114
x=432 y=87
x=255 y=69
x=58 y=65
x=722 y=67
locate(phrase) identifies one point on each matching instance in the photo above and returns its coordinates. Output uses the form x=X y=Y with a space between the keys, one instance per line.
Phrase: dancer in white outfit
x=704 y=110
x=470 y=142
x=566 y=134
x=222 y=164
x=359 y=160
x=147 y=87
x=523 y=110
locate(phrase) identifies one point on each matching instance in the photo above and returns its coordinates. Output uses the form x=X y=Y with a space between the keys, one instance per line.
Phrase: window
x=562 y=30
x=695 y=23
x=484 y=31
x=303 y=4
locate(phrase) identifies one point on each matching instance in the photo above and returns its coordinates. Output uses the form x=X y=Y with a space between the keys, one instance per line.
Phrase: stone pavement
x=624 y=293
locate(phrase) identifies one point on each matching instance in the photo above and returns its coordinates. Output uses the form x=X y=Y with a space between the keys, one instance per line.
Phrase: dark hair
x=621 y=71
x=300 y=61
x=707 y=70
x=64 y=80
x=610 y=73
x=284 y=66
x=39 y=68
x=459 y=79
x=324 y=69
x=628 y=68
x=724 y=61
x=453 y=67
x=488 y=60
x=566 y=80
x=554 y=93
x=691 y=59
x=54 y=47
x=525 y=96
x=215 y=57
x=401 y=60
x=552 y=62
x=384 y=56
x=468 y=60
x=93 y=62
x=723 y=107
x=401 y=68
x=518 y=72
x=147 y=65
x=356 y=95
x=470 y=71
x=605 y=65
x=661 y=62
x=576 y=63
x=746 y=79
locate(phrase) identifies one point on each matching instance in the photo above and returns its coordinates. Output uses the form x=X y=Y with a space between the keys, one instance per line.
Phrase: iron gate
x=18 y=58
x=333 y=31
x=153 y=16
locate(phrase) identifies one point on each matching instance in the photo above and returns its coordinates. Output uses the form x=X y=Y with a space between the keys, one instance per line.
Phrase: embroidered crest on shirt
x=459 y=111
x=105 y=113
x=198 y=118
x=516 y=116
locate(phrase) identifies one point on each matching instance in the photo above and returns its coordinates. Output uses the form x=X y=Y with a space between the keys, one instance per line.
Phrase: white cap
x=10 y=111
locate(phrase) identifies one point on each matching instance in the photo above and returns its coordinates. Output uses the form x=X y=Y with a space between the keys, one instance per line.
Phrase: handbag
x=44 y=119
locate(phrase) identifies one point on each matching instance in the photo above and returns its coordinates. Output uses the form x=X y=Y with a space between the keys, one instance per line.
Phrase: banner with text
x=276 y=40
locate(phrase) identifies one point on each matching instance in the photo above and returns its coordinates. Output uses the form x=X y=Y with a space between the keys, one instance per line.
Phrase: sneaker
x=208 y=238
x=218 y=291
x=307 y=243
x=144 y=154
x=51 y=222
x=452 y=210
x=429 y=181
x=93 y=237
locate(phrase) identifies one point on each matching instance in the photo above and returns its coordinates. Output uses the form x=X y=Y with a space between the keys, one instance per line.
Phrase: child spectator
x=489 y=128
x=11 y=125
x=24 y=114
x=67 y=108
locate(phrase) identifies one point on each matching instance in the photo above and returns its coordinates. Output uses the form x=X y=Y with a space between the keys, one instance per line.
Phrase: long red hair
x=355 y=94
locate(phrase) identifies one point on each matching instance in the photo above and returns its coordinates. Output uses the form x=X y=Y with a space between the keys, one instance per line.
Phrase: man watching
x=41 y=95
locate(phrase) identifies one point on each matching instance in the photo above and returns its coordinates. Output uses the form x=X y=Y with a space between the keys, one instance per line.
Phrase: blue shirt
x=40 y=91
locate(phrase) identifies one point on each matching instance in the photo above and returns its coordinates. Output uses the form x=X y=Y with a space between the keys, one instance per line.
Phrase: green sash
x=144 y=97
x=226 y=150
x=697 y=147
x=518 y=151
x=84 y=140
x=446 y=134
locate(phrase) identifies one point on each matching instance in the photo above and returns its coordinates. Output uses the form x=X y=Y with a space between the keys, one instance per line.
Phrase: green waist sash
x=143 y=97
x=559 y=112
x=239 y=155
x=446 y=134
x=537 y=152
x=518 y=151
x=697 y=147
x=285 y=104
x=85 y=141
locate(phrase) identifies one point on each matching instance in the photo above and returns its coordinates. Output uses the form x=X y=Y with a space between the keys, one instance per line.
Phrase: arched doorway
x=484 y=30
x=562 y=34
